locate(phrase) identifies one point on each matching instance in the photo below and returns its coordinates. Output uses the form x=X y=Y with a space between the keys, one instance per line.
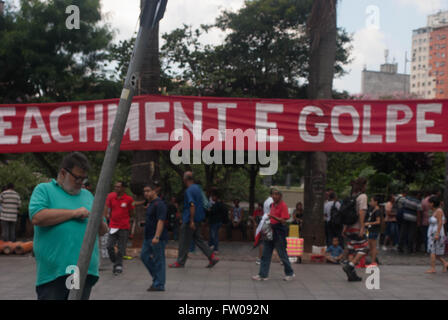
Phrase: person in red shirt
x=278 y=216
x=119 y=208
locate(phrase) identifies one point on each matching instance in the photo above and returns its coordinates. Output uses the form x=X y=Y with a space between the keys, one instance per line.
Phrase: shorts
x=373 y=235
x=357 y=244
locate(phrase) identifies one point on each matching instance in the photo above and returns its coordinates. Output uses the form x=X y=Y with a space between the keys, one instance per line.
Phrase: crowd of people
x=407 y=223
x=354 y=227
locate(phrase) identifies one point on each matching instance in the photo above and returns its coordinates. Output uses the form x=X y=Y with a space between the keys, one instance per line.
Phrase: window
x=441 y=82
x=413 y=86
x=441 y=91
x=442 y=64
x=441 y=73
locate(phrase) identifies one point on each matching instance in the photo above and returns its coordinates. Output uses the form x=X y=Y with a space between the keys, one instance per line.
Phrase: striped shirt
x=10 y=201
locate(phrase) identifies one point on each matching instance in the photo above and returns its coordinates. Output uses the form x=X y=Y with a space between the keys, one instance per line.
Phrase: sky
x=376 y=25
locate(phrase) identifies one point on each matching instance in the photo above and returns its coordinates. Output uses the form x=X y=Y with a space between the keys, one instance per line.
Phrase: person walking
x=121 y=208
x=356 y=239
x=217 y=216
x=436 y=235
x=156 y=237
x=10 y=205
x=192 y=216
x=278 y=216
x=59 y=211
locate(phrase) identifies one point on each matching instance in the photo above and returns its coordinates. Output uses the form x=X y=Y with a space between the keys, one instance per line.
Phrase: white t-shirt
x=327 y=209
x=267 y=205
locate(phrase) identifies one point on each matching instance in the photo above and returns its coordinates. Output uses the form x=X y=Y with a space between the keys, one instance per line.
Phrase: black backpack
x=335 y=218
x=347 y=212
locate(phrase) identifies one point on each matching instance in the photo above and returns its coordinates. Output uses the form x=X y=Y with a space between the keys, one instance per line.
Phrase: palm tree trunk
x=322 y=29
x=145 y=163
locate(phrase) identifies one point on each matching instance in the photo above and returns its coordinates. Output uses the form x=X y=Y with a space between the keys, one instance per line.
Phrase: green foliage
x=24 y=177
x=41 y=60
x=265 y=53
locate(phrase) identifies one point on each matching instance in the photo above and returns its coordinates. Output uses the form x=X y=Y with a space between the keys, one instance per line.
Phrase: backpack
x=205 y=202
x=335 y=218
x=348 y=213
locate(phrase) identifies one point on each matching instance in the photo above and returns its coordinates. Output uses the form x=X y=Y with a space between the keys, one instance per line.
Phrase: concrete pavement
x=231 y=280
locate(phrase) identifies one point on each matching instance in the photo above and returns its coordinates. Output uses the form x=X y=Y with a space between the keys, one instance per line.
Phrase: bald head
x=188 y=178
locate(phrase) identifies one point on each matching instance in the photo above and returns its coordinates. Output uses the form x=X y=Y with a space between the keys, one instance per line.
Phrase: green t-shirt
x=57 y=247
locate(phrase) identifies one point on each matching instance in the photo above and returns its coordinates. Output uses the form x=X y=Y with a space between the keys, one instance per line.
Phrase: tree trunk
x=322 y=30
x=145 y=163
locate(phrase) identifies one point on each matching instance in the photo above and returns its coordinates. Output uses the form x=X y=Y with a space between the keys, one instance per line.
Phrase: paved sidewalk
x=230 y=280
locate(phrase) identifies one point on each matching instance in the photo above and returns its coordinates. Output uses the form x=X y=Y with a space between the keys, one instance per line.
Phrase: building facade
x=429 y=69
x=385 y=82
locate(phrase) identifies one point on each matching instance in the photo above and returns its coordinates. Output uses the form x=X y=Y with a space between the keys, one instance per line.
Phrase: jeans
x=408 y=234
x=423 y=237
x=9 y=231
x=214 y=235
x=186 y=236
x=393 y=232
x=57 y=289
x=120 y=237
x=268 y=248
x=153 y=257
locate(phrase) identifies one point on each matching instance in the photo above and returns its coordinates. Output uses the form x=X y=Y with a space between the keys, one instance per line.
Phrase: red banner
x=303 y=125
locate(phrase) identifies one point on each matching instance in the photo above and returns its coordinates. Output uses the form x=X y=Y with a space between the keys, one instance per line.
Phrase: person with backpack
x=353 y=211
x=331 y=230
x=192 y=216
x=408 y=212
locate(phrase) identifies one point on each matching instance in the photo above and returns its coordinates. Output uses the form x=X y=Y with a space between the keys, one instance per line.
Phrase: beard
x=70 y=189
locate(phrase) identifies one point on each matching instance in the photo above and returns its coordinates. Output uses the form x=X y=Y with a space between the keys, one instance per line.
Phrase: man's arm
x=51 y=217
x=159 y=230
x=103 y=229
x=192 y=213
x=362 y=214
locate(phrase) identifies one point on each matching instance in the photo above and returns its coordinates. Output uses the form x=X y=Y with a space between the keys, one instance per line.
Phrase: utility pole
x=151 y=14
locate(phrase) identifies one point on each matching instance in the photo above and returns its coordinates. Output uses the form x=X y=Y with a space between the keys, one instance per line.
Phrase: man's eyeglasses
x=77 y=178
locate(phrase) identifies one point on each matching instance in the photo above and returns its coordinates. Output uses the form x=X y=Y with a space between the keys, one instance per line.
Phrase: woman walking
x=436 y=235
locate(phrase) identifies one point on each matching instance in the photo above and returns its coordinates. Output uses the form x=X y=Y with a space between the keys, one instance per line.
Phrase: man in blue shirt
x=192 y=216
x=156 y=237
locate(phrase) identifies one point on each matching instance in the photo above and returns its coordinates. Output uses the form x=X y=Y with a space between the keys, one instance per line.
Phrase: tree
x=41 y=60
x=322 y=29
x=145 y=163
x=265 y=53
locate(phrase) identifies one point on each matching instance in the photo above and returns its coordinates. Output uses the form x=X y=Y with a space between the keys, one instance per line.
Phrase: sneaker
x=212 y=263
x=384 y=248
x=354 y=279
x=258 y=278
x=151 y=288
x=258 y=261
x=117 y=270
x=374 y=264
x=289 y=278
x=176 y=265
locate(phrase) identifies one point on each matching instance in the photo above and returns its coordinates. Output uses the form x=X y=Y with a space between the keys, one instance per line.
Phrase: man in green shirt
x=59 y=211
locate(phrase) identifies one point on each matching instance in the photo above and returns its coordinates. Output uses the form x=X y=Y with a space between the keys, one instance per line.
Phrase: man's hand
x=155 y=240
x=192 y=225
x=81 y=213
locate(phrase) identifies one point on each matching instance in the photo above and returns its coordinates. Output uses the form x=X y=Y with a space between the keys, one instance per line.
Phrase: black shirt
x=155 y=212
x=372 y=215
x=218 y=213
